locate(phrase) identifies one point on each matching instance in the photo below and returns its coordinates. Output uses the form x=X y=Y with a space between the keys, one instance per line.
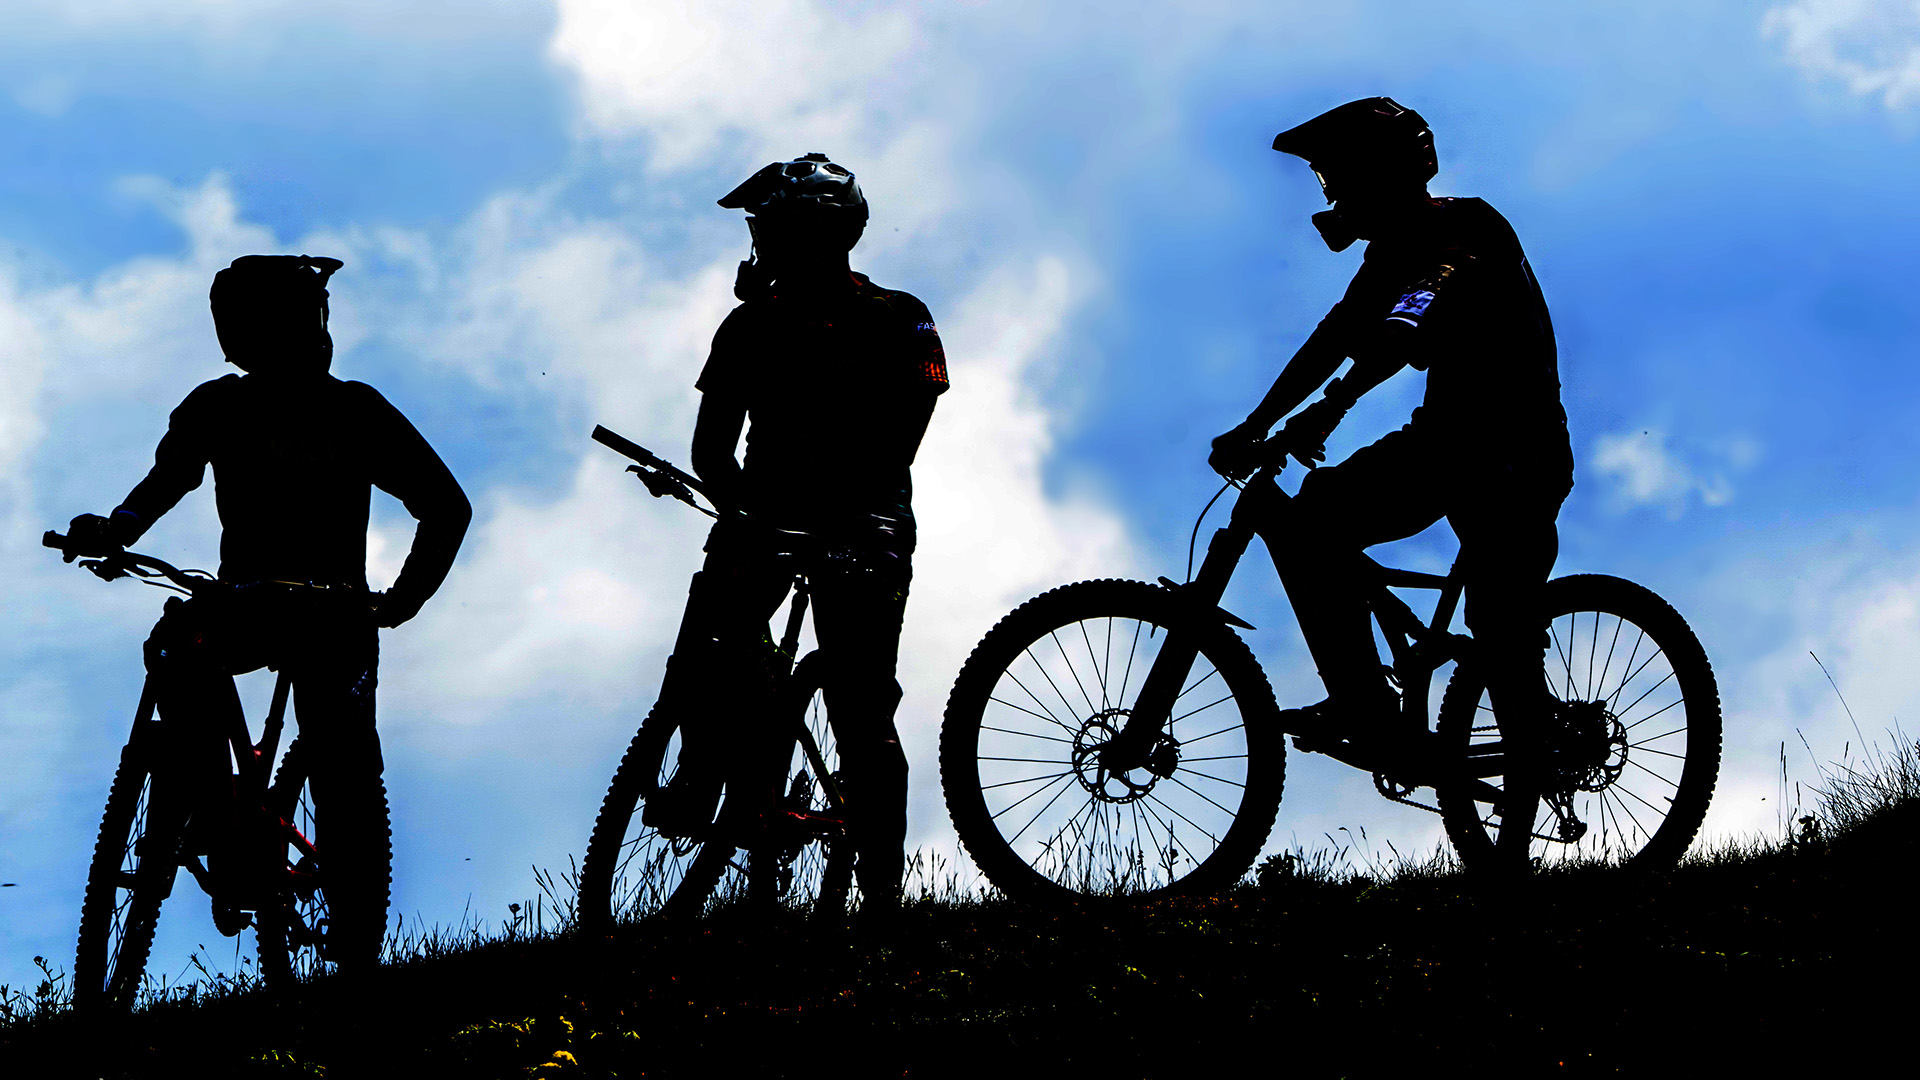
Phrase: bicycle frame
x=1419 y=648
x=255 y=761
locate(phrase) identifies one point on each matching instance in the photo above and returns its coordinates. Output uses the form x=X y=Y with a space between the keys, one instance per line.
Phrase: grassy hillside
x=1768 y=955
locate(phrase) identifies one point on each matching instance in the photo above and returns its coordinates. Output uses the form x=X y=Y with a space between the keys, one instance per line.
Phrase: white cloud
x=690 y=73
x=22 y=363
x=1853 y=600
x=1647 y=471
x=1872 y=47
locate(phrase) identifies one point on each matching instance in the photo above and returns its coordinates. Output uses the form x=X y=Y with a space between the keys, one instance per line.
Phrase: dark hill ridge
x=1765 y=956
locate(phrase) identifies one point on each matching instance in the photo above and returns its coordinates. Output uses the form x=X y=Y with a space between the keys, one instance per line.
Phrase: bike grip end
x=52 y=539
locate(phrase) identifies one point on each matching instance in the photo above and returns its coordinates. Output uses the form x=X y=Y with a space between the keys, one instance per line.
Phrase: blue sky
x=1716 y=199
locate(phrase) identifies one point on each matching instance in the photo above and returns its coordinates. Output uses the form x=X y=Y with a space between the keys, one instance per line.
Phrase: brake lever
x=661 y=484
x=105 y=569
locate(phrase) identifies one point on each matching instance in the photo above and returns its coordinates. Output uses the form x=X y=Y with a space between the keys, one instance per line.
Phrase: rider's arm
x=716 y=432
x=1315 y=362
x=179 y=465
x=406 y=467
x=925 y=371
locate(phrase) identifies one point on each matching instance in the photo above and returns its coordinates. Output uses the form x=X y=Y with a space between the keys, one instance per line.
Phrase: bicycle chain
x=1381 y=785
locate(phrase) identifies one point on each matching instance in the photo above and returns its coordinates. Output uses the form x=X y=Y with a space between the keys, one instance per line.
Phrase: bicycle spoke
x=1211 y=672
x=1175 y=811
x=1619 y=624
x=1026 y=734
x=1208 y=776
x=1675 y=784
x=1025 y=780
x=1645 y=749
x=1657 y=712
x=1036 y=814
x=1643 y=697
x=1078 y=685
x=1201 y=709
x=1100 y=678
x=1211 y=734
x=1202 y=795
x=1132 y=651
x=1036 y=700
x=1056 y=686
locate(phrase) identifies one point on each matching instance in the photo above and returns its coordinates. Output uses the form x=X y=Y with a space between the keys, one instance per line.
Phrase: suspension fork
x=1153 y=710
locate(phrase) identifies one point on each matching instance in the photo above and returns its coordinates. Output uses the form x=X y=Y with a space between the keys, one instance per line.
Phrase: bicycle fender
x=1219 y=612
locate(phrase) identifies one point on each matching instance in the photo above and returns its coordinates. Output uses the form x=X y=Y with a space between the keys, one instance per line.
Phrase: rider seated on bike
x=837 y=377
x=1444 y=288
x=295 y=455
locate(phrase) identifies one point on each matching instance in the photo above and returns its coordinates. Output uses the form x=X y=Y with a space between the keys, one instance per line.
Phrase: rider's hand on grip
x=1236 y=454
x=90 y=535
x=1306 y=433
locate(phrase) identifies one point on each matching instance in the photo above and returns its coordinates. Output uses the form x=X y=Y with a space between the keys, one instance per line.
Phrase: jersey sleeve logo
x=1411 y=307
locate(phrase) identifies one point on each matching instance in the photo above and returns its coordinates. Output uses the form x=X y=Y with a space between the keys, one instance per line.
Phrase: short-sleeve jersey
x=1455 y=296
x=294 y=464
x=828 y=384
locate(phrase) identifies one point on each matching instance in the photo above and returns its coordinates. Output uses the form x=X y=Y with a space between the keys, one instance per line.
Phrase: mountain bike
x=1118 y=738
x=784 y=807
x=275 y=877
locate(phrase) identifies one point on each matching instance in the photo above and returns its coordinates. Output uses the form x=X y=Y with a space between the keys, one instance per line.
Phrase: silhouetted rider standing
x=836 y=379
x=295 y=455
x=1446 y=289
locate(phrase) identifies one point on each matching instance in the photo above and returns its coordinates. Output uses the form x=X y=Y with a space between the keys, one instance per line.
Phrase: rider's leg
x=705 y=688
x=194 y=693
x=857 y=616
x=335 y=667
x=1383 y=492
x=1508 y=544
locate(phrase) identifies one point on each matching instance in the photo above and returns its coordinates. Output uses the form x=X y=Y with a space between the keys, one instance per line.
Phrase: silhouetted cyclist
x=295 y=455
x=1446 y=289
x=836 y=378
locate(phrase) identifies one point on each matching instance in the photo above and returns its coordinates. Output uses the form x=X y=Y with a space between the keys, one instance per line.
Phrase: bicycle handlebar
x=659 y=474
x=121 y=564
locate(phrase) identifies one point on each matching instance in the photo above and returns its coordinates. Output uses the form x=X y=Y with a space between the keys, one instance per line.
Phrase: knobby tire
x=134 y=862
x=630 y=871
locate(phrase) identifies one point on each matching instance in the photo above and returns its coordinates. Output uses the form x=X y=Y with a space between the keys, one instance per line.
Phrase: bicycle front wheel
x=1632 y=747
x=329 y=902
x=1044 y=692
x=630 y=870
x=134 y=862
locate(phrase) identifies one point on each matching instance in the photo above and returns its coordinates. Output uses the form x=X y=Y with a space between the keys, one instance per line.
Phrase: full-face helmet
x=809 y=198
x=274 y=307
x=1375 y=143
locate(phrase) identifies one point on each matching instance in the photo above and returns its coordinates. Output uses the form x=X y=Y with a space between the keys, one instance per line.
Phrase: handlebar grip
x=623 y=445
x=53 y=540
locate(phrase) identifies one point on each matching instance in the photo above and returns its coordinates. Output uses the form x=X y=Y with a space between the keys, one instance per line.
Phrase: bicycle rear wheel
x=1044 y=692
x=135 y=859
x=329 y=904
x=1631 y=753
x=630 y=870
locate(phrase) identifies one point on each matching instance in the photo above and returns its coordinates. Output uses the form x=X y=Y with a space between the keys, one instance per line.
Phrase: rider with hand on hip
x=1444 y=288
x=835 y=379
x=295 y=453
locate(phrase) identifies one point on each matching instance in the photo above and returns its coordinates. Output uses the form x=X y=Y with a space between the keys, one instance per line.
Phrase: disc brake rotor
x=1119 y=786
